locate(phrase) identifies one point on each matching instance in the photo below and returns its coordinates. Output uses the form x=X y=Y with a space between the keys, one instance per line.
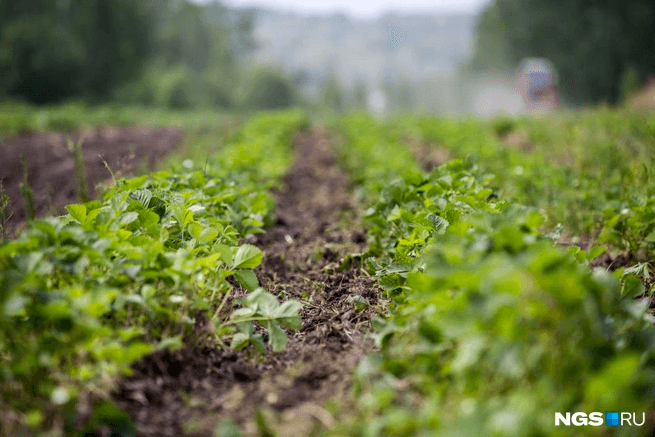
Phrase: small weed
x=80 y=169
x=113 y=176
x=5 y=215
x=50 y=206
x=26 y=192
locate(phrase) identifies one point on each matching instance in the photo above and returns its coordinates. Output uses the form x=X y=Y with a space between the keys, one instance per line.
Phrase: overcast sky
x=362 y=8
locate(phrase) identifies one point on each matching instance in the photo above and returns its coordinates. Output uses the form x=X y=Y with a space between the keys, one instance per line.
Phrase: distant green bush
x=269 y=89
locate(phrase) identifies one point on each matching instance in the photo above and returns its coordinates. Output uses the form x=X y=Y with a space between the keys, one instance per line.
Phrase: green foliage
x=268 y=89
x=83 y=296
x=5 y=215
x=264 y=308
x=55 y=50
x=17 y=118
x=559 y=166
x=369 y=150
x=492 y=328
x=629 y=82
x=167 y=53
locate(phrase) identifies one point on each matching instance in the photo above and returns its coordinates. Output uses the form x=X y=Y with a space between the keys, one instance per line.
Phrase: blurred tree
x=331 y=96
x=51 y=50
x=193 y=52
x=39 y=60
x=491 y=51
x=239 y=22
x=592 y=44
x=360 y=95
x=141 y=51
x=269 y=89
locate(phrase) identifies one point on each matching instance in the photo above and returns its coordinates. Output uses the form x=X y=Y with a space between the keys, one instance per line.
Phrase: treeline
x=602 y=49
x=168 y=53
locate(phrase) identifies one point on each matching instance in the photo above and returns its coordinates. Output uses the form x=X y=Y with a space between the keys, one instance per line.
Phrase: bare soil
x=429 y=156
x=50 y=168
x=193 y=390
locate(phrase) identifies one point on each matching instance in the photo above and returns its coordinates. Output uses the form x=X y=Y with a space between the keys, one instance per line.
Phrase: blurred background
x=444 y=56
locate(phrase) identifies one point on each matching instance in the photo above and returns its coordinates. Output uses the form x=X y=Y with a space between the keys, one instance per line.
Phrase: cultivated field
x=278 y=275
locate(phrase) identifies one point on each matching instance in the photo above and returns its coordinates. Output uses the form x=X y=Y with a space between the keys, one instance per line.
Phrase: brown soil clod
x=192 y=391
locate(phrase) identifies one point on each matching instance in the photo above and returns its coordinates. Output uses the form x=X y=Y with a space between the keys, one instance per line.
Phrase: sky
x=363 y=9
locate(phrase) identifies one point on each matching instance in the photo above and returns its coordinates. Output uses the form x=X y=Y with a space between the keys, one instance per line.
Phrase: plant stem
x=26 y=192
x=80 y=168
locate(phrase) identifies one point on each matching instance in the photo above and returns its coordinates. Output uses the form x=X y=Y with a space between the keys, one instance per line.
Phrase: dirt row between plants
x=51 y=171
x=429 y=156
x=193 y=390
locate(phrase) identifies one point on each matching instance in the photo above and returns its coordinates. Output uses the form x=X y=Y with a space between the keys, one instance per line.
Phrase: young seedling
x=5 y=215
x=50 y=205
x=113 y=176
x=80 y=168
x=26 y=192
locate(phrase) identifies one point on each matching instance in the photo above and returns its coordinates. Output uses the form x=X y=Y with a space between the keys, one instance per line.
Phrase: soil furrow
x=306 y=257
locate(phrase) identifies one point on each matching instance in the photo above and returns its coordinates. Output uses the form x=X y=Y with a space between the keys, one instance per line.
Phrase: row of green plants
x=591 y=172
x=492 y=327
x=20 y=118
x=158 y=263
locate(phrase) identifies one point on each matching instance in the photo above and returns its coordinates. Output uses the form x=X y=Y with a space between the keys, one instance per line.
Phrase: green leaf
x=578 y=253
x=137 y=350
x=225 y=253
x=188 y=217
x=632 y=286
x=141 y=196
x=148 y=219
x=243 y=313
x=288 y=314
x=439 y=223
x=258 y=342
x=265 y=302
x=78 y=212
x=247 y=257
x=227 y=429
x=195 y=229
x=171 y=343
x=208 y=234
x=128 y=218
x=134 y=183
x=26 y=263
x=92 y=215
x=240 y=341
x=181 y=215
x=15 y=305
x=595 y=252
x=276 y=336
x=247 y=279
x=360 y=303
